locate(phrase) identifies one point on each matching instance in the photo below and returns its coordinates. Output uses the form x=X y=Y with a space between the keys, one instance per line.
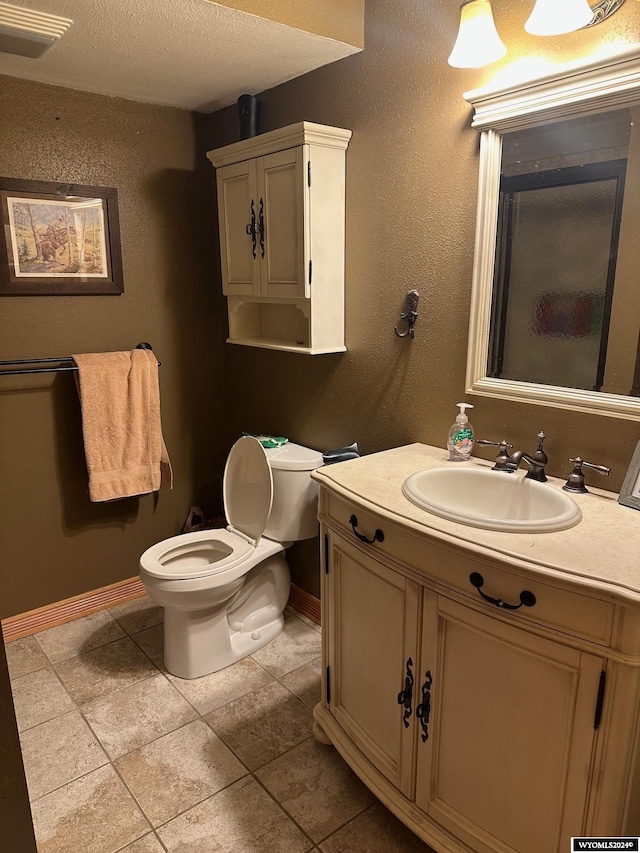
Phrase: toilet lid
x=247 y=488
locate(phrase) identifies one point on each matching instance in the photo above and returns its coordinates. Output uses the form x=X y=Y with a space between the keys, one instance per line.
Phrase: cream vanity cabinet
x=483 y=728
x=281 y=209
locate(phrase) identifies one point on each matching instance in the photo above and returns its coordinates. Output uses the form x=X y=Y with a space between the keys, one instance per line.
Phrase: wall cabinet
x=484 y=729
x=281 y=209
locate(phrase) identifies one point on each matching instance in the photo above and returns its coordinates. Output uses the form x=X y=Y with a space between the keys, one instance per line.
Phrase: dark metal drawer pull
x=378 y=535
x=527 y=598
x=405 y=697
x=423 y=711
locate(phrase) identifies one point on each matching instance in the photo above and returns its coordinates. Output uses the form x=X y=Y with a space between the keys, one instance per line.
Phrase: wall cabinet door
x=237 y=194
x=507 y=758
x=373 y=642
x=283 y=205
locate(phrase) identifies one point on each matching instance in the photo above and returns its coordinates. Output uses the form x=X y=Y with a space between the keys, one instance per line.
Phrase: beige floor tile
x=148 y=844
x=94 y=814
x=137 y=615
x=376 y=831
x=58 y=751
x=261 y=726
x=81 y=635
x=215 y=690
x=25 y=656
x=241 y=819
x=178 y=770
x=315 y=786
x=306 y=620
x=296 y=645
x=39 y=697
x=305 y=682
x=136 y=715
x=151 y=642
x=104 y=670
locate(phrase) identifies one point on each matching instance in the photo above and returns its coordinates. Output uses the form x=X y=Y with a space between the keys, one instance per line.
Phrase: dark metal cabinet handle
x=251 y=229
x=423 y=711
x=527 y=598
x=378 y=535
x=405 y=697
x=261 y=228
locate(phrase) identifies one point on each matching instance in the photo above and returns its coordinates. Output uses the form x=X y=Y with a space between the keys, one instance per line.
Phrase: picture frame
x=59 y=239
x=630 y=491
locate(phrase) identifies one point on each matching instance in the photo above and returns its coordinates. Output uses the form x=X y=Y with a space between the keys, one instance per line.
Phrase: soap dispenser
x=460 y=439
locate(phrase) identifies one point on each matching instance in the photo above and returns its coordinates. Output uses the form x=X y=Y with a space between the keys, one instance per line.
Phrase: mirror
x=555 y=315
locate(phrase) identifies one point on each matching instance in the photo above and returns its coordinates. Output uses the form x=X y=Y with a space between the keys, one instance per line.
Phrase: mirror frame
x=570 y=91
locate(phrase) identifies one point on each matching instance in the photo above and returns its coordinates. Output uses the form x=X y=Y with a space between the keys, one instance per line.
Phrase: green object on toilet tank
x=268 y=441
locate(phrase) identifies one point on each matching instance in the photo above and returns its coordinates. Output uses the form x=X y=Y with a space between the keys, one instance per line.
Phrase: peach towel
x=120 y=401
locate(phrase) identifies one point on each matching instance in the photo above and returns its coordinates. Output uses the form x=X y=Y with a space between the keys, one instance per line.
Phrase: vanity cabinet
x=483 y=728
x=281 y=209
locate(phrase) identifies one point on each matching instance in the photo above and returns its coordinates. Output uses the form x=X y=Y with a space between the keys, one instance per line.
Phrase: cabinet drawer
x=562 y=609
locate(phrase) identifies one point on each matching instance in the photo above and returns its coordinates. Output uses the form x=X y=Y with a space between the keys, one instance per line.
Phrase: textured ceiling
x=183 y=53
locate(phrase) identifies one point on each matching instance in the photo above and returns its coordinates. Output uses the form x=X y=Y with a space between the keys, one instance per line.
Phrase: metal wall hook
x=410 y=316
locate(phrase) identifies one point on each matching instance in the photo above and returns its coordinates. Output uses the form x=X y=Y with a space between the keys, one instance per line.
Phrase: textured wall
x=412 y=168
x=53 y=542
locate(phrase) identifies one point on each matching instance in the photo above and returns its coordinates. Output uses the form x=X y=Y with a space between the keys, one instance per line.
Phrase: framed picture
x=630 y=491
x=59 y=239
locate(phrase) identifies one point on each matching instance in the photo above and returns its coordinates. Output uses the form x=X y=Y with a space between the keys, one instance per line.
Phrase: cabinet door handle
x=405 y=697
x=527 y=598
x=378 y=535
x=423 y=711
x=261 y=228
x=251 y=229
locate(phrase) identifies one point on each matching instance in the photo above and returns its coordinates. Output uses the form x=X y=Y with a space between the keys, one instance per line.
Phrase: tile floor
x=122 y=756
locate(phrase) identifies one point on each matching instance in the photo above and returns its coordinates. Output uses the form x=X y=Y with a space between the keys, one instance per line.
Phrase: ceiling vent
x=26 y=32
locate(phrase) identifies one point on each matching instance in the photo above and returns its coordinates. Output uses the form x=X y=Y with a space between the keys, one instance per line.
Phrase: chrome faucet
x=536 y=461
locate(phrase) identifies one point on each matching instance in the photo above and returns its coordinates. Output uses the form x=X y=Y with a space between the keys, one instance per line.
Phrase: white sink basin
x=494 y=500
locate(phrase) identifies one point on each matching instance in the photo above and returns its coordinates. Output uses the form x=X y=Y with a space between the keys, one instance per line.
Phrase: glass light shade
x=478 y=42
x=555 y=17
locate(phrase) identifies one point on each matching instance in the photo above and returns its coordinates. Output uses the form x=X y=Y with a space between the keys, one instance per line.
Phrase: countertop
x=602 y=552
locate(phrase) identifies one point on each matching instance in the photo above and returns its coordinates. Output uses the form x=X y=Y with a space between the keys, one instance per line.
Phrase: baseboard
x=51 y=615
x=305 y=603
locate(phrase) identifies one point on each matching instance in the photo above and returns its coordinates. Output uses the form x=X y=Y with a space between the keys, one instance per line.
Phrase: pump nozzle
x=462 y=417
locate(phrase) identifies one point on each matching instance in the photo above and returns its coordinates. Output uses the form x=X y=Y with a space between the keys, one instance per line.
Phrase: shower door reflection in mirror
x=566 y=298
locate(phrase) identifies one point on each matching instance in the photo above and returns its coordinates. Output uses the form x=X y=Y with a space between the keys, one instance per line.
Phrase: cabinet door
x=373 y=642
x=239 y=243
x=510 y=737
x=283 y=203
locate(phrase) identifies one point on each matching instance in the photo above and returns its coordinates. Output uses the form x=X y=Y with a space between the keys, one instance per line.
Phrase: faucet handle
x=502 y=459
x=575 y=482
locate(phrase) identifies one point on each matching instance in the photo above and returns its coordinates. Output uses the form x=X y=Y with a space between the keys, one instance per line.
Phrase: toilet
x=224 y=590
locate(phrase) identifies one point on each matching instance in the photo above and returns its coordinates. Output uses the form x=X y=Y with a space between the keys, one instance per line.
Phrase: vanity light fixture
x=550 y=18
x=25 y=32
x=479 y=44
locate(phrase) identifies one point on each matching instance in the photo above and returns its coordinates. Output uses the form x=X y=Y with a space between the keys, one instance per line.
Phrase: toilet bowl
x=224 y=590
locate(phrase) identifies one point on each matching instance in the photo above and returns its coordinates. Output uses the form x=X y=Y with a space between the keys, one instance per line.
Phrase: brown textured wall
x=53 y=542
x=342 y=20
x=412 y=168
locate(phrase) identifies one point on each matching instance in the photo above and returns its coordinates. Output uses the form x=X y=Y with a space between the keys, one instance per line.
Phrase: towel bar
x=60 y=360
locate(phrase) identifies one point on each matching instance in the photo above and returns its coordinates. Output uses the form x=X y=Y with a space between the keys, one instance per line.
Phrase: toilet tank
x=295 y=495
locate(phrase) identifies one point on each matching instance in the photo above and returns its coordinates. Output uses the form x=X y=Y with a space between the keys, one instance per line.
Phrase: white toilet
x=224 y=590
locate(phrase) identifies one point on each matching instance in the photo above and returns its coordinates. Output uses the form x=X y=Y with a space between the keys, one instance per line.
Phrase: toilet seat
x=247 y=499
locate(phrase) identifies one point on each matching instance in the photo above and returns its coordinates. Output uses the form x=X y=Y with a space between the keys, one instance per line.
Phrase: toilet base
x=200 y=642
